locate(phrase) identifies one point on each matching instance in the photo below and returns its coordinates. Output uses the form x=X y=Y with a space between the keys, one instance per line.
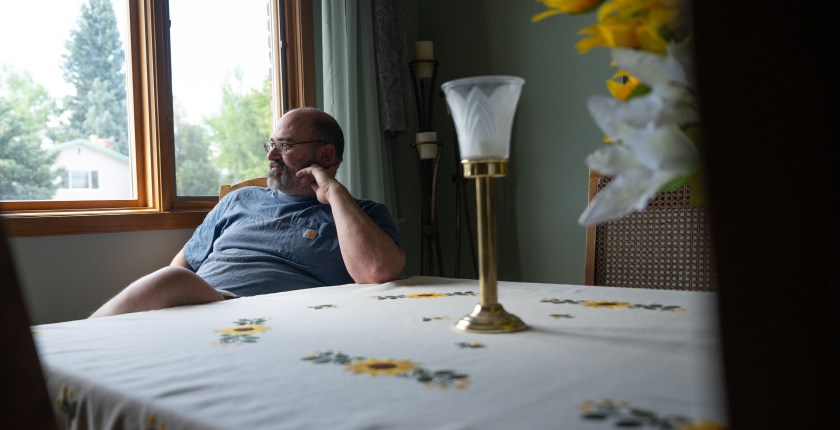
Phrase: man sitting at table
x=305 y=230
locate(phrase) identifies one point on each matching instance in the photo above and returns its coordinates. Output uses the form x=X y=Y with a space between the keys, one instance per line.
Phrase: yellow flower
x=610 y=34
x=565 y=6
x=243 y=329
x=622 y=84
x=426 y=295
x=644 y=24
x=376 y=367
x=604 y=304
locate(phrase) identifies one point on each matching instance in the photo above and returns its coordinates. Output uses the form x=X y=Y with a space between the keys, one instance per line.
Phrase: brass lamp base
x=490 y=319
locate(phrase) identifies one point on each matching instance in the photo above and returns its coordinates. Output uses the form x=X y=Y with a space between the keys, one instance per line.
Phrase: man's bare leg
x=164 y=288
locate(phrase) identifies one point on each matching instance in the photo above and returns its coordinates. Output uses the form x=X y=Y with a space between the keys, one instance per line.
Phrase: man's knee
x=175 y=275
x=163 y=288
x=165 y=282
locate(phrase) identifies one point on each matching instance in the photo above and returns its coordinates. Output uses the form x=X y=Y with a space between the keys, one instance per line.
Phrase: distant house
x=92 y=170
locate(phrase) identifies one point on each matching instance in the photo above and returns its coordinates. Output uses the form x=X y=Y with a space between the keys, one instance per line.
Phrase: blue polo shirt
x=259 y=241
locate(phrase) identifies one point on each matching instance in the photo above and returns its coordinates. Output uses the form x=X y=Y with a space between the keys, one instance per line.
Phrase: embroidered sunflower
x=703 y=425
x=605 y=304
x=426 y=295
x=376 y=367
x=153 y=423
x=66 y=403
x=239 y=330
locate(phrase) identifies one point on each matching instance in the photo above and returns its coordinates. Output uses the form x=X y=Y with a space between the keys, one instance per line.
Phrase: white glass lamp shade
x=482 y=108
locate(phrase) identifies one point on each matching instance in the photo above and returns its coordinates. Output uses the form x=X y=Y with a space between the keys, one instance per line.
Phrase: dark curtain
x=392 y=75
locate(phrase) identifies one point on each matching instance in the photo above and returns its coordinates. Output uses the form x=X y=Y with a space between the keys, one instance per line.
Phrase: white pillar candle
x=427 y=144
x=424 y=51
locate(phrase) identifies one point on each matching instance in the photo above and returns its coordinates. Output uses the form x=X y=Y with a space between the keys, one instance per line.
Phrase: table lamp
x=482 y=108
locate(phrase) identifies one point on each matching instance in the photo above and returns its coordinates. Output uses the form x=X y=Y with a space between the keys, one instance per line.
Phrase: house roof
x=88 y=144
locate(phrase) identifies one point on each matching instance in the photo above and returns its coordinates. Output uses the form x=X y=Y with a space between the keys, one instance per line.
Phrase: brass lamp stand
x=482 y=108
x=488 y=316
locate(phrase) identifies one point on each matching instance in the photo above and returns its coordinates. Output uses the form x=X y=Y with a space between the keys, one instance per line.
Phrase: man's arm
x=371 y=256
x=180 y=260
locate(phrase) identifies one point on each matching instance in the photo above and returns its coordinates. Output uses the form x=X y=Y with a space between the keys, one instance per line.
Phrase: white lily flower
x=651 y=149
x=640 y=167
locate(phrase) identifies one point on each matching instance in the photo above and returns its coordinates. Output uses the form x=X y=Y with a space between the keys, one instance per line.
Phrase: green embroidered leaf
x=628 y=422
x=643 y=413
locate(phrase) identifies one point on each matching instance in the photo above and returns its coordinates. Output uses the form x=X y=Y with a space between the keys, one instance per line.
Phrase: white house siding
x=115 y=179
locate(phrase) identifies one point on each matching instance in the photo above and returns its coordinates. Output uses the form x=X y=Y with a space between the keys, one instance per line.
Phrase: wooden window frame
x=157 y=207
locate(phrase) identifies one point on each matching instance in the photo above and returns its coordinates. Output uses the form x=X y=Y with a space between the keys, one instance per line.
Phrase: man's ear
x=325 y=155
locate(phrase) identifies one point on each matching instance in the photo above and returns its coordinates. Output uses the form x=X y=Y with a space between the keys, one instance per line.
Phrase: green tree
x=25 y=109
x=195 y=174
x=93 y=64
x=242 y=125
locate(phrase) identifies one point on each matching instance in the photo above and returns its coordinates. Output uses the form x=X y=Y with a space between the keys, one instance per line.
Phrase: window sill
x=53 y=223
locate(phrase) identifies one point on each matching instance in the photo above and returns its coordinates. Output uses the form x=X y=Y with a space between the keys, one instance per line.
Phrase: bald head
x=322 y=125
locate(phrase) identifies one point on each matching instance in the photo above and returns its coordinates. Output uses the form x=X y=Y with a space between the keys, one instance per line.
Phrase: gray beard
x=281 y=178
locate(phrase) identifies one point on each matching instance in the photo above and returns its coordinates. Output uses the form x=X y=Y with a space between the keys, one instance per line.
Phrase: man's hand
x=371 y=256
x=321 y=179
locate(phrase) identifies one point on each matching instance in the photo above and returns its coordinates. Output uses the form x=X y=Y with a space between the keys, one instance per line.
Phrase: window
x=164 y=184
x=75 y=179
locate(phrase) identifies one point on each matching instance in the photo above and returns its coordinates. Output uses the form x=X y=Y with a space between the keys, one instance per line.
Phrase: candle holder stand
x=427 y=149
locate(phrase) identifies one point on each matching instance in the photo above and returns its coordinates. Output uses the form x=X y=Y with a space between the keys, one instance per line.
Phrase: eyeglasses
x=284 y=145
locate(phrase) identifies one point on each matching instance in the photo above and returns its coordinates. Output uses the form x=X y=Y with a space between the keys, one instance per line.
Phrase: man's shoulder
x=249 y=193
x=243 y=197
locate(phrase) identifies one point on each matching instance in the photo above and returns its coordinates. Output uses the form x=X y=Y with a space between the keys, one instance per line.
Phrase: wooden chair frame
x=256 y=182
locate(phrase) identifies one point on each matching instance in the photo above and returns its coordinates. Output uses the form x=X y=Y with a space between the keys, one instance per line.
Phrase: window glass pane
x=221 y=64
x=79 y=179
x=63 y=99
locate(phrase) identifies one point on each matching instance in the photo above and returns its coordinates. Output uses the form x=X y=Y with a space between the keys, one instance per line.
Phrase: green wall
x=538 y=203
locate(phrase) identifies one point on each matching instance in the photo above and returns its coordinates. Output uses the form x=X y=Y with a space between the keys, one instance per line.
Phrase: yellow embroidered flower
x=703 y=425
x=64 y=394
x=243 y=329
x=152 y=422
x=565 y=6
x=426 y=295
x=459 y=385
x=605 y=304
x=376 y=367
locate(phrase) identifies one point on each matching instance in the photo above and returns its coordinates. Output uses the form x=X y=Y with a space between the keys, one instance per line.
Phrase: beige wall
x=68 y=277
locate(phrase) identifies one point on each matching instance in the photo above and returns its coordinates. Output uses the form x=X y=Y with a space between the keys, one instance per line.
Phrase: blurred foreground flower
x=650 y=119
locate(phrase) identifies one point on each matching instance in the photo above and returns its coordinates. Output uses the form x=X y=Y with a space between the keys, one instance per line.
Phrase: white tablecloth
x=386 y=356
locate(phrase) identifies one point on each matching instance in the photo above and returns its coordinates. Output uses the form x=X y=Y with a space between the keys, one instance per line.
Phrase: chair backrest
x=666 y=246
x=257 y=182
